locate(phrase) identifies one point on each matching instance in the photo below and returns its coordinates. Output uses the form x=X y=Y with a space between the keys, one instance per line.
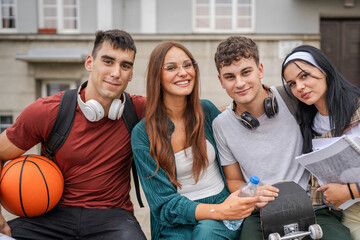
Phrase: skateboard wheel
x=274 y=236
x=315 y=231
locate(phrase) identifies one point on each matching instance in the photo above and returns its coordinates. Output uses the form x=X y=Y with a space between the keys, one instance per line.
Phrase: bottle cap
x=254 y=179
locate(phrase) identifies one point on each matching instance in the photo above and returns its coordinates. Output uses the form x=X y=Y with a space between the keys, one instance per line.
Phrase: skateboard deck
x=291 y=212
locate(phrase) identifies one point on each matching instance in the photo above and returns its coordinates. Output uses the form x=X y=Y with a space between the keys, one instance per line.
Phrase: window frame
x=59 y=18
x=9 y=30
x=44 y=82
x=234 y=18
x=6 y=114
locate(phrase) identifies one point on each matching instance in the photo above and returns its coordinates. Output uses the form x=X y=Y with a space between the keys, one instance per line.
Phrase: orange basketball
x=30 y=185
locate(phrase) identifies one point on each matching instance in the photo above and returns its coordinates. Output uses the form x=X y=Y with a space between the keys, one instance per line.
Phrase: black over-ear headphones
x=271 y=108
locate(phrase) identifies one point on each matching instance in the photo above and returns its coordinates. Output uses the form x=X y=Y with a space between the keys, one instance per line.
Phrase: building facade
x=43 y=43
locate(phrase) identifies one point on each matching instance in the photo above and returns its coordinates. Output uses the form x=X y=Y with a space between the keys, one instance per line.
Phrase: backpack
x=290 y=101
x=64 y=122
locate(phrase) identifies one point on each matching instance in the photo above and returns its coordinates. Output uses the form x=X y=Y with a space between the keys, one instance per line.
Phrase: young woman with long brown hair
x=176 y=156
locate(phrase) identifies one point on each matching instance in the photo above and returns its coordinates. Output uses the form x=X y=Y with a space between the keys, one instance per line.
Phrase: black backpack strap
x=290 y=101
x=63 y=123
x=131 y=119
x=129 y=114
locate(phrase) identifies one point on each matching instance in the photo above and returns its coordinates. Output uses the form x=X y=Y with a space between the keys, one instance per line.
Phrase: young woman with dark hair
x=328 y=106
x=176 y=156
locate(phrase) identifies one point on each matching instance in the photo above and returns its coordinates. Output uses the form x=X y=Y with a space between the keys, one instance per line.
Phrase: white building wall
x=299 y=16
x=148 y=16
x=104 y=13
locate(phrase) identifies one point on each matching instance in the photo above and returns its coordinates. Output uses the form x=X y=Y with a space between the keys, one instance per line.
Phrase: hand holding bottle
x=247 y=190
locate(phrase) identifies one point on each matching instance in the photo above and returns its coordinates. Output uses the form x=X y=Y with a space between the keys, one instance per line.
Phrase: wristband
x=351 y=193
x=358 y=187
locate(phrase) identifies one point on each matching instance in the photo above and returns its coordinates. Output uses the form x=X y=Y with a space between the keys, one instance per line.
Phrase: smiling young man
x=95 y=159
x=257 y=134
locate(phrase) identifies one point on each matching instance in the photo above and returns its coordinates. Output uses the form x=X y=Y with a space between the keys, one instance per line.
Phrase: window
x=60 y=16
x=223 y=15
x=8 y=15
x=5 y=121
x=50 y=14
x=51 y=87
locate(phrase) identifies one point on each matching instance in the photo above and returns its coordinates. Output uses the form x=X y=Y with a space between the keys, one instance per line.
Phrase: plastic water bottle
x=246 y=190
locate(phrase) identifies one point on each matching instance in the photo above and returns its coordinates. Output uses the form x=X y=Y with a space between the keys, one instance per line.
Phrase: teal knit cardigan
x=168 y=208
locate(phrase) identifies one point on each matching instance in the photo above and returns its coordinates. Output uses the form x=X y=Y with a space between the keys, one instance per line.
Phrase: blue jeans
x=211 y=229
x=203 y=230
x=78 y=223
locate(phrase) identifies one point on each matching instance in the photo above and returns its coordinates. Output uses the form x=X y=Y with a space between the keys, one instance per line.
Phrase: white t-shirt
x=321 y=125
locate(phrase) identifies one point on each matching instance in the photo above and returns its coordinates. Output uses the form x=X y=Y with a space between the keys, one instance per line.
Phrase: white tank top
x=210 y=181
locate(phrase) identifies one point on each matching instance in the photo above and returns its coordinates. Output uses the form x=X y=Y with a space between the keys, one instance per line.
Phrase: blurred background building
x=43 y=43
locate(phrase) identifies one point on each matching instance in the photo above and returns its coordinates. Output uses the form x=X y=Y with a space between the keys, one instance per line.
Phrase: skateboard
x=290 y=215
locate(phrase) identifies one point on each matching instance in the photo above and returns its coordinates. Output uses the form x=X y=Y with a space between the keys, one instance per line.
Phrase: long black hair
x=341 y=97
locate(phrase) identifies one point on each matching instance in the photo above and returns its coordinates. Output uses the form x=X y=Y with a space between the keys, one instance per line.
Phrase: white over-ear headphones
x=93 y=111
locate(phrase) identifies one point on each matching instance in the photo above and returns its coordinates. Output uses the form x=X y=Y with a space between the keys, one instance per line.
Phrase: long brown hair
x=157 y=120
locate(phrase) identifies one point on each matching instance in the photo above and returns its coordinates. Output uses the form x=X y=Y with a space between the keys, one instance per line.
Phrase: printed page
x=320 y=143
x=335 y=161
